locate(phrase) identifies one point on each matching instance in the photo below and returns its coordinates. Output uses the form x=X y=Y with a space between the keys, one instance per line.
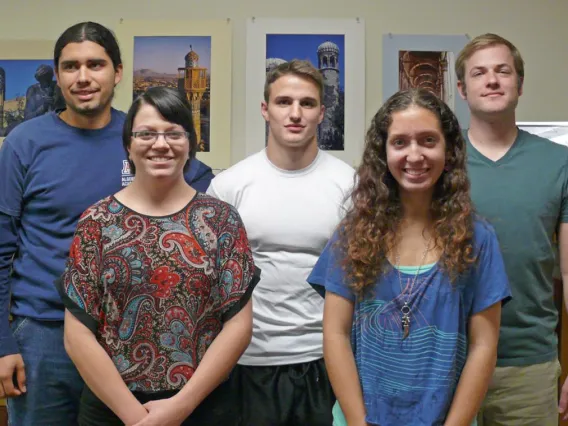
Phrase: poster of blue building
x=326 y=52
x=27 y=89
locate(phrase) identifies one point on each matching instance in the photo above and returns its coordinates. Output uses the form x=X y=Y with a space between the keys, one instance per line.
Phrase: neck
x=286 y=158
x=82 y=121
x=416 y=209
x=159 y=196
x=500 y=131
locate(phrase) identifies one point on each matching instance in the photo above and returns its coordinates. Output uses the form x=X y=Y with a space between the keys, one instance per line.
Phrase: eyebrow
x=428 y=132
x=481 y=67
x=307 y=98
x=89 y=61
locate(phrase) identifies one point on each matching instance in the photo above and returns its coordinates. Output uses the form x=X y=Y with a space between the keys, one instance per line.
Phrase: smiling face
x=87 y=78
x=416 y=150
x=153 y=156
x=491 y=82
x=293 y=112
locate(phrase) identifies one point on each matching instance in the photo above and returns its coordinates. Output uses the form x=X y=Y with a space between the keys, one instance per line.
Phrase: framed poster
x=425 y=61
x=337 y=48
x=27 y=82
x=193 y=57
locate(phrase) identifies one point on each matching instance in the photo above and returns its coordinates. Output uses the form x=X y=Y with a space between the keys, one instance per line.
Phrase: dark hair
x=172 y=106
x=369 y=230
x=88 y=31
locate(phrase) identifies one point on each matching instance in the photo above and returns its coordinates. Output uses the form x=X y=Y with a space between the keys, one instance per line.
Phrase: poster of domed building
x=337 y=48
x=325 y=52
x=180 y=62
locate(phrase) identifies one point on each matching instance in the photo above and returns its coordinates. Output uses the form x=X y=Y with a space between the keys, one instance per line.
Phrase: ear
x=118 y=74
x=264 y=110
x=521 y=83
x=461 y=90
x=56 y=74
x=321 y=114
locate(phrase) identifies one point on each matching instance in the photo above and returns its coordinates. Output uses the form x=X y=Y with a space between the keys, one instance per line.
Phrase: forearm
x=216 y=365
x=344 y=377
x=8 y=246
x=102 y=377
x=472 y=386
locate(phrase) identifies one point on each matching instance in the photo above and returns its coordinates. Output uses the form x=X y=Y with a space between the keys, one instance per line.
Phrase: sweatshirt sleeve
x=8 y=247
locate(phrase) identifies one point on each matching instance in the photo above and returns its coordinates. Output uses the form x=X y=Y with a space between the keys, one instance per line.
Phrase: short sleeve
x=81 y=286
x=328 y=273
x=490 y=283
x=238 y=274
x=12 y=178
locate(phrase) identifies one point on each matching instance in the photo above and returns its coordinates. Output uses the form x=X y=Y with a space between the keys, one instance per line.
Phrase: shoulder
x=543 y=145
x=337 y=170
x=238 y=175
x=35 y=128
x=339 y=166
x=118 y=115
x=29 y=136
x=117 y=120
x=219 y=215
x=484 y=234
x=218 y=206
x=99 y=211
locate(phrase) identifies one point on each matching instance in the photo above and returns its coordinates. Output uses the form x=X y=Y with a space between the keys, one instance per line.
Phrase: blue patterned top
x=412 y=381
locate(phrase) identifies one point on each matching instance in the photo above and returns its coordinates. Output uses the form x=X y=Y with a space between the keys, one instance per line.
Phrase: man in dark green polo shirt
x=519 y=182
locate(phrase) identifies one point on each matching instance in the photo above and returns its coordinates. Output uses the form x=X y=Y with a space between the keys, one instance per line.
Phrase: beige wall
x=537 y=27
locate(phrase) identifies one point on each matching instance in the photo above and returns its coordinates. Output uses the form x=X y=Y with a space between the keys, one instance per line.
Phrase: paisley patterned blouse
x=155 y=291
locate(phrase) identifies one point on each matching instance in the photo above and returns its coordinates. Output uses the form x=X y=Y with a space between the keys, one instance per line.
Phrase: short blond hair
x=488 y=40
x=297 y=67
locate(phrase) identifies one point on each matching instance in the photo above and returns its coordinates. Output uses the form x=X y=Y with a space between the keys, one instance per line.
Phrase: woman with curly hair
x=414 y=281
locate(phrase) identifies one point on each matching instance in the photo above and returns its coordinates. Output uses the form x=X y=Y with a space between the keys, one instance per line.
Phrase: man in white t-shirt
x=291 y=197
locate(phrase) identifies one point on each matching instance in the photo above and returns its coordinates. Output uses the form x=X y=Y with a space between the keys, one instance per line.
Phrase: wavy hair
x=369 y=230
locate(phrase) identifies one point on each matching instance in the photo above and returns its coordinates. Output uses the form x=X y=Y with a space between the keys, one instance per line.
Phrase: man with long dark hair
x=53 y=167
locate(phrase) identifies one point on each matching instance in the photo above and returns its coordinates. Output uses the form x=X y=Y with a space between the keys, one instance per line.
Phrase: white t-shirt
x=289 y=216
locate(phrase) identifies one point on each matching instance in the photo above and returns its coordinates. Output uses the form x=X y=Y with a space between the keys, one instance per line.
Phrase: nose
x=83 y=74
x=160 y=142
x=295 y=111
x=414 y=153
x=492 y=79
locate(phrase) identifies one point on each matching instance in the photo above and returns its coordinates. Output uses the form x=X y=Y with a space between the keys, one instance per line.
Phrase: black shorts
x=217 y=409
x=284 y=395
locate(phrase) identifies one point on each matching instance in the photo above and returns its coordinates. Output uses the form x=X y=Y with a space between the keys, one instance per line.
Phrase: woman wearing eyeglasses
x=157 y=286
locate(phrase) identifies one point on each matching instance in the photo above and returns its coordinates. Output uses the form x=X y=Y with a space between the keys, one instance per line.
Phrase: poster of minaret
x=325 y=52
x=181 y=62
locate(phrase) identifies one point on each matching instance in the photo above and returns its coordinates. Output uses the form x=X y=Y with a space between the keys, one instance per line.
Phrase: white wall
x=537 y=27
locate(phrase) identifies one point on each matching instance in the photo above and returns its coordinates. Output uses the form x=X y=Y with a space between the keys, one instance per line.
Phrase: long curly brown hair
x=368 y=232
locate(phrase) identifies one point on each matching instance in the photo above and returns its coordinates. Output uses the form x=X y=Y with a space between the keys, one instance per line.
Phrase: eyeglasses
x=151 y=137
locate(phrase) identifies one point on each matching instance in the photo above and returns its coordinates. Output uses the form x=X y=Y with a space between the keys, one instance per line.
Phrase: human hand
x=9 y=365
x=163 y=412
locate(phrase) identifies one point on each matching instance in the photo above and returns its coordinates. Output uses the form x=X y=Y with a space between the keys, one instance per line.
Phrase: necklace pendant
x=405 y=330
x=405 y=326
